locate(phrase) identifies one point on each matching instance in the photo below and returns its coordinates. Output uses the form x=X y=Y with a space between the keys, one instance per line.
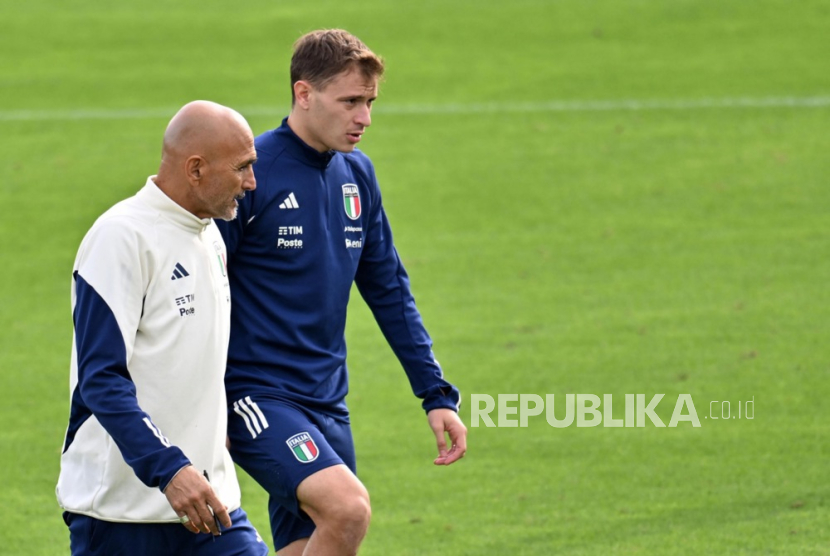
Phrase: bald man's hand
x=195 y=502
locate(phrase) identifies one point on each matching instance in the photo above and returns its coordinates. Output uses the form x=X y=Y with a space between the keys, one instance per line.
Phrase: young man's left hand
x=446 y=420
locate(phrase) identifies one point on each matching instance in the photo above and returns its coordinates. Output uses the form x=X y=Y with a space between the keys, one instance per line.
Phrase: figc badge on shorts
x=351 y=200
x=304 y=448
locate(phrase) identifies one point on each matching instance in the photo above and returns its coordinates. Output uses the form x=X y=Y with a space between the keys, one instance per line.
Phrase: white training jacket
x=151 y=309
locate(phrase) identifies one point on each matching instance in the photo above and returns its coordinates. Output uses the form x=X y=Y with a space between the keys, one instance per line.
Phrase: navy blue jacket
x=314 y=225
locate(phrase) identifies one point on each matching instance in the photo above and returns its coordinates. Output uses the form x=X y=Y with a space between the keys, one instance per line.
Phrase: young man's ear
x=302 y=91
x=194 y=168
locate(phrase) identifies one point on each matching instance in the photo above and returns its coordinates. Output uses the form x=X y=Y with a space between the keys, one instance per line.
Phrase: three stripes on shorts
x=251 y=414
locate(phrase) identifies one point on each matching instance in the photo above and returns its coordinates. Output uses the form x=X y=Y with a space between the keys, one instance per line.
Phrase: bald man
x=144 y=468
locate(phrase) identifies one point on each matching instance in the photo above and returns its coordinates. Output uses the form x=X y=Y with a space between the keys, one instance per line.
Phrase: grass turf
x=606 y=251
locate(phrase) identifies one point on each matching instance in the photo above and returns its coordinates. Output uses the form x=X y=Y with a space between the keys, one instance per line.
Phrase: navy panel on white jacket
x=151 y=309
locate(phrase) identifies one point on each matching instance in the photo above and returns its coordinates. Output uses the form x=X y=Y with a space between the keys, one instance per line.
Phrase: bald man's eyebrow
x=246 y=163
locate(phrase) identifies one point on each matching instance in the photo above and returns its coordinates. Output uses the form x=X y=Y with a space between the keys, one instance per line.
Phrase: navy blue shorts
x=93 y=537
x=279 y=445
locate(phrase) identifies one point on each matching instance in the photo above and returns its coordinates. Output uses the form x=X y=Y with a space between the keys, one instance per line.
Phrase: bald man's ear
x=302 y=90
x=194 y=169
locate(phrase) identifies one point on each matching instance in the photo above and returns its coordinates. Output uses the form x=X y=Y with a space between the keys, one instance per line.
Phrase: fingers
x=219 y=511
x=455 y=454
x=440 y=440
x=187 y=523
x=445 y=420
x=203 y=519
x=197 y=520
x=458 y=436
x=196 y=504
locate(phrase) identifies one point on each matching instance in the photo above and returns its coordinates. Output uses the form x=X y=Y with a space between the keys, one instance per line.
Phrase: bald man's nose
x=249 y=183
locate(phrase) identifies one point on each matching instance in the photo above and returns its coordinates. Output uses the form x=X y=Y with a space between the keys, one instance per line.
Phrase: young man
x=144 y=452
x=314 y=226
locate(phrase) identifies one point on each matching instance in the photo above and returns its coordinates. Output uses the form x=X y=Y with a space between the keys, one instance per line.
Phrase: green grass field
x=595 y=197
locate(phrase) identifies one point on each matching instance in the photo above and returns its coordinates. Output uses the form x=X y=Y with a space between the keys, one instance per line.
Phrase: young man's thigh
x=280 y=445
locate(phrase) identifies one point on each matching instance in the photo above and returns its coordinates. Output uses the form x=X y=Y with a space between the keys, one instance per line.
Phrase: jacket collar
x=156 y=199
x=301 y=150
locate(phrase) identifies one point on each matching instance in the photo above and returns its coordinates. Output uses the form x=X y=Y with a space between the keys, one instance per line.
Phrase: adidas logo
x=254 y=419
x=179 y=272
x=290 y=202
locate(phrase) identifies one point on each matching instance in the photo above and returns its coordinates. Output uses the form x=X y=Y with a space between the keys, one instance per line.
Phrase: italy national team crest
x=220 y=255
x=351 y=200
x=304 y=448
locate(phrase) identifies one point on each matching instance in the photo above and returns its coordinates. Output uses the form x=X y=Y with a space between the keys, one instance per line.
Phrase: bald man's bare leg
x=338 y=503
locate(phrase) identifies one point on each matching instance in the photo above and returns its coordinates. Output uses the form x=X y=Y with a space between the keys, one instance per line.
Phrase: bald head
x=198 y=126
x=206 y=147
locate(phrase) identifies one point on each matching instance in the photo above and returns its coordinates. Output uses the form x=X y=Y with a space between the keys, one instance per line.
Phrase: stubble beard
x=234 y=212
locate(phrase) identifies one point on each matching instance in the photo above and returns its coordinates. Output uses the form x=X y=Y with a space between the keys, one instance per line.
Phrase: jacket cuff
x=159 y=468
x=442 y=396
